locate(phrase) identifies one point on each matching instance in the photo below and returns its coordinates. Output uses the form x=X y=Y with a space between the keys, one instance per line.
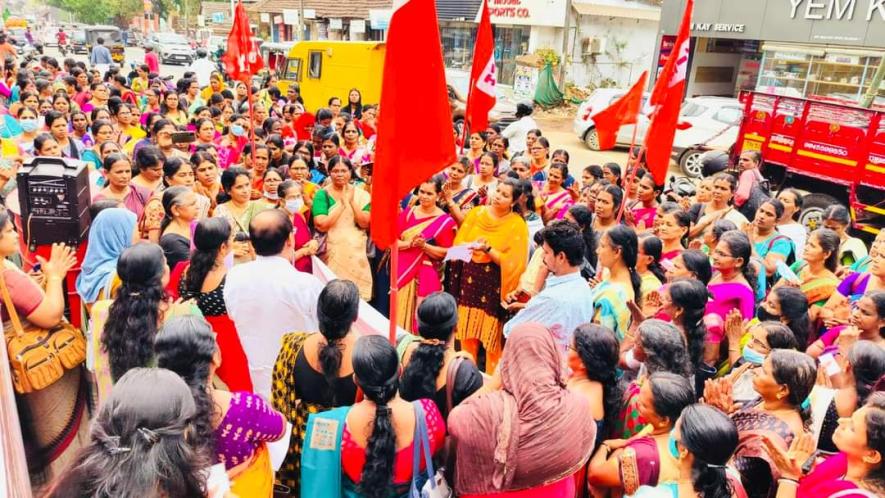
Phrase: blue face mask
x=752 y=356
x=237 y=130
x=672 y=446
x=29 y=125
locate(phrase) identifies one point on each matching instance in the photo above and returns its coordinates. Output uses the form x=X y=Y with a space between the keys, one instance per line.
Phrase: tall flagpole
x=394 y=278
x=251 y=118
x=635 y=161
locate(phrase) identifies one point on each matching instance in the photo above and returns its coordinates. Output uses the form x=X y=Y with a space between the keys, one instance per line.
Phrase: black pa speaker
x=54 y=197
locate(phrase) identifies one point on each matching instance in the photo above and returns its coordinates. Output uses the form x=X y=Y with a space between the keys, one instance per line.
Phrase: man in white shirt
x=268 y=297
x=202 y=67
x=566 y=301
x=516 y=131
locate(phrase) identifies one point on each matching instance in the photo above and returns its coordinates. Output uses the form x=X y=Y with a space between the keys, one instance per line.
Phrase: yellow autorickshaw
x=112 y=40
x=326 y=69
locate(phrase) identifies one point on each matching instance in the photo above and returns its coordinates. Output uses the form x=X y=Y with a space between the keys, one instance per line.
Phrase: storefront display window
x=820 y=73
x=458 y=42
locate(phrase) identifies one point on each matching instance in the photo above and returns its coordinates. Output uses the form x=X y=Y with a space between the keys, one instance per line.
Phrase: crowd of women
x=724 y=351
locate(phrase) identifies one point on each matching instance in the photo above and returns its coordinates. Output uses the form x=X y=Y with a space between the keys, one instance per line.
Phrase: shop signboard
x=834 y=22
x=290 y=17
x=527 y=12
x=380 y=18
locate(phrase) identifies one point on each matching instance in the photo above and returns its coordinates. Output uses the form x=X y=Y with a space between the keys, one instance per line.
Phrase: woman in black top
x=313 y=372
x=427 y=362
x=180 y=210
x=202 y=280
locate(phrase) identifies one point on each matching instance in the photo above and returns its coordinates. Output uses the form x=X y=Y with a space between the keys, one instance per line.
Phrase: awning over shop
x=617 y=8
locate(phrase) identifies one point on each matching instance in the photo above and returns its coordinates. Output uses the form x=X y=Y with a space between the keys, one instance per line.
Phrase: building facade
x=613 y=42
x=356 y=20
x=803 y=48
x=609 y=42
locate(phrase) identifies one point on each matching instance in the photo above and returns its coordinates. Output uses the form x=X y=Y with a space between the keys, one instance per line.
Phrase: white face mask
x=294 y=205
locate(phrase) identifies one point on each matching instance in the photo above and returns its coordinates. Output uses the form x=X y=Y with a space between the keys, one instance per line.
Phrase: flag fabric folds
x=413 y=72
x=667 y=98
x=242 y=59
x=622 y=112
x=483 y=77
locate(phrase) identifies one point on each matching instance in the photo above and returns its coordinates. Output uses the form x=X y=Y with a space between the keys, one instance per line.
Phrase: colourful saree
x=641 y=464
x=558 y=203
x=479 y=285
x=827 y=480
x=419 y=275
x=610 y=301
x=466 y=199
x=816 y=289
x=346 y=242
x=629 y=422
x=758 y=471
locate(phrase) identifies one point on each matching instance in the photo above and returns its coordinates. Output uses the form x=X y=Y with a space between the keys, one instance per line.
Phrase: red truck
x=833 y=151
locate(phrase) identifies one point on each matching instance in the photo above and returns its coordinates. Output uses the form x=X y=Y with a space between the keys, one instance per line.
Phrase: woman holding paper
x=426 y=231
x=498 y=235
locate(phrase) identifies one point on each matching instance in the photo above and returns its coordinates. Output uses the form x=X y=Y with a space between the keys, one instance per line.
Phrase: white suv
x=171 y=48
x=600 y=99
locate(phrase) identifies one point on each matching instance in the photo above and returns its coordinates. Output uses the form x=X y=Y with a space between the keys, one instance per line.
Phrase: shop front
x=826 y=49
x=520 y=27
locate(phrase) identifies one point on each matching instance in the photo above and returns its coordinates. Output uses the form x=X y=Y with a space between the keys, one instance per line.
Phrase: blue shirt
x=565 y=303
x=100 y=55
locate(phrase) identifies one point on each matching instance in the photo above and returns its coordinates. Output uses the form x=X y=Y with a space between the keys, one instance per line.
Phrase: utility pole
x=875 y=83
x=301 y=22
x=564 y=59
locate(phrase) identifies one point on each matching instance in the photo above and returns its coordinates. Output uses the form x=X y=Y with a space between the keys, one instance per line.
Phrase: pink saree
x=418 y=275
x=827 y=480
x=559 y=203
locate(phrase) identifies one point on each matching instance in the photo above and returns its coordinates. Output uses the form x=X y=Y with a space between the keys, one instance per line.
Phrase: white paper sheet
x=462 y=252
x=278 y=449
x=218 y=483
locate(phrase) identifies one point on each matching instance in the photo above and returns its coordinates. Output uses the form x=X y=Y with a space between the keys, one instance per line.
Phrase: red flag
x=667 y=96
x=242 y=59
x=623 y=111
x=483 y=77
x=413 y=72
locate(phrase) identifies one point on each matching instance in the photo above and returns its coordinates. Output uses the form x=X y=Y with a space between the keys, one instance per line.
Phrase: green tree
x=117 y=12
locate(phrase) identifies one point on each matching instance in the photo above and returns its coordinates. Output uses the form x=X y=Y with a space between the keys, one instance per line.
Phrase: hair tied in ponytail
x=432 y=342
x=714 y=466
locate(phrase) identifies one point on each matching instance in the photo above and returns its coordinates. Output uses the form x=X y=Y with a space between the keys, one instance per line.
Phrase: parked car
x=458 y=82
x=600 y=99
x=170 y=48
x=17 y=37
x=705 y=123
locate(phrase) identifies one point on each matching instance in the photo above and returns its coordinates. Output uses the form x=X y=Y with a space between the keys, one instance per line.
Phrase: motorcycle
x=63 y=48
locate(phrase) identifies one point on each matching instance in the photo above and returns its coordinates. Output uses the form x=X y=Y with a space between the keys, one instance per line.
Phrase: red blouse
x=353 y=456
x=25 y=293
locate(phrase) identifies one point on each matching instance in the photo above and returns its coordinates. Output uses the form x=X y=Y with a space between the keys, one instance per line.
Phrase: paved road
x=134 y=55
x=557 y=130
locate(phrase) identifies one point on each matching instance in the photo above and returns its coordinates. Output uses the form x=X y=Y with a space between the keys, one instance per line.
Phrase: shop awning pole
x=873 y=90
